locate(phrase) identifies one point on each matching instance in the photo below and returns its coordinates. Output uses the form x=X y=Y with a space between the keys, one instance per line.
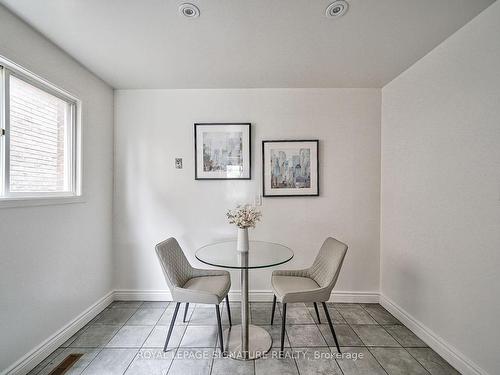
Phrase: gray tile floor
x=128 y=337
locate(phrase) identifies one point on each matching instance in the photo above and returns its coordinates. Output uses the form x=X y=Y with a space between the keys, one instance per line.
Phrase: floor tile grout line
x=287 y=337
x=183 y=334
x=368 y=312
x=296 y=364
x=131 y=362
x=150 y=333
x=172 y=361
x=84 y=328
x=380 y=325
x=154 y=324
x=371 y=317
x=394 y=337
x=212 y=364
x=338 y=312
x=377 y=324
x=324 y=337
x=340 y=368
x=402 y=347
x=336 y=360
x=93 y=359
x=359 y=337
x=376 y=359
x=421 y=364
x=123 y=325
x=338 y=365
x=383 y=309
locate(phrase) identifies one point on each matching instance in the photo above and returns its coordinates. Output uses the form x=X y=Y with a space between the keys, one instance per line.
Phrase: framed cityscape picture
x=222 y=151
x=290 y=168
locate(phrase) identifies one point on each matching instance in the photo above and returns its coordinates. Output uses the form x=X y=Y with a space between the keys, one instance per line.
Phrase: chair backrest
x=326 y=267
x=174 y=263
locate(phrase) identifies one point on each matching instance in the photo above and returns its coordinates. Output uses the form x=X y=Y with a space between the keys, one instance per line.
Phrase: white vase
x=242 y=243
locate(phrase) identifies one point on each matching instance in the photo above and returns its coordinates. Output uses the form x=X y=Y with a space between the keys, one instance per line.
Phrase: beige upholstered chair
x=192 y=285
x=313 y=284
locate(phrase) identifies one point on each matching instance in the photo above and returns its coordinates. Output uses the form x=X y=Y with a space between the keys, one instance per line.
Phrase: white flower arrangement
x=245 y=216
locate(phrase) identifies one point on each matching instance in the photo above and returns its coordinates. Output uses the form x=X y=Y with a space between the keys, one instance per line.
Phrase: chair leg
x=317 y=312
x=172 y=322
x=331 y=326
x=283 y=322
x=274 y=307
x=185 y=312
x=217 y=310
x=228 y=310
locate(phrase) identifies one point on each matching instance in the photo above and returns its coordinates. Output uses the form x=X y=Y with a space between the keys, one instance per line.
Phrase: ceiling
x=246 y=43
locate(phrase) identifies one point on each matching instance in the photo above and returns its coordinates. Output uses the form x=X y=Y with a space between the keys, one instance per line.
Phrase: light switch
x=178 y=163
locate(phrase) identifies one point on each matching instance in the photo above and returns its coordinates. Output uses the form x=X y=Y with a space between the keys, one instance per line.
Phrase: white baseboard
x=234 y=295
x=438 y=344
x=354 y=297
x=141 y=295
x=39 y=353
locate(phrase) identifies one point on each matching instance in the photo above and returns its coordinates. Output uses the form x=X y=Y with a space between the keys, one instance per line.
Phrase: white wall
x=56 y=260
x=153 y=200
x=440 y=220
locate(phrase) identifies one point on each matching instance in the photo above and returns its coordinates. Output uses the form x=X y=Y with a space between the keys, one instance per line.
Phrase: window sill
x=39 y=201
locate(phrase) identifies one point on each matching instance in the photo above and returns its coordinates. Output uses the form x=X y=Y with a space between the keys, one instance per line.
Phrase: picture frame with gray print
x=290 y=168
x=222 y=151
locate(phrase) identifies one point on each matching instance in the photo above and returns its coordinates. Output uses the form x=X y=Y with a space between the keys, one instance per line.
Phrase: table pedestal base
x=259 y=342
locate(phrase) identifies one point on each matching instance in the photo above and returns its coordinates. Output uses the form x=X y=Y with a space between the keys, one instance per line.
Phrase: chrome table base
x=246 y=341
x=259 y=342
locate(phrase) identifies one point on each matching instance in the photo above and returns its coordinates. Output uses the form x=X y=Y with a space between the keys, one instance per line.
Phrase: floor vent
x=65 y=365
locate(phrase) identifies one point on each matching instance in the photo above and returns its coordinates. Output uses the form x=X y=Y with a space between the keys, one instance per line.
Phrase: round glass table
x=245 y=341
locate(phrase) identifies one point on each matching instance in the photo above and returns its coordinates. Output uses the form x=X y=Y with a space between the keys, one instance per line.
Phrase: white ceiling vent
x=337 y=9
x=189 y=10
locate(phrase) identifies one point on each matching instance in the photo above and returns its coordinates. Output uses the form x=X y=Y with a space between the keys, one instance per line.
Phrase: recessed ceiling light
x=337 y=9
x=189 y=10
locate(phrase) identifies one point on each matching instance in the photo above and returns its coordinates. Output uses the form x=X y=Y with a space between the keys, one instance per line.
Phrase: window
x=38 y=145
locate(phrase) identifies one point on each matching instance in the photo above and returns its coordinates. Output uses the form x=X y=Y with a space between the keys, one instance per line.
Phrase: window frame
x=73 y=134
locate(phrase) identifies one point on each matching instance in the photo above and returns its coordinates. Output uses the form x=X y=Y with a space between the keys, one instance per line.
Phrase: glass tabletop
x=260 y=255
